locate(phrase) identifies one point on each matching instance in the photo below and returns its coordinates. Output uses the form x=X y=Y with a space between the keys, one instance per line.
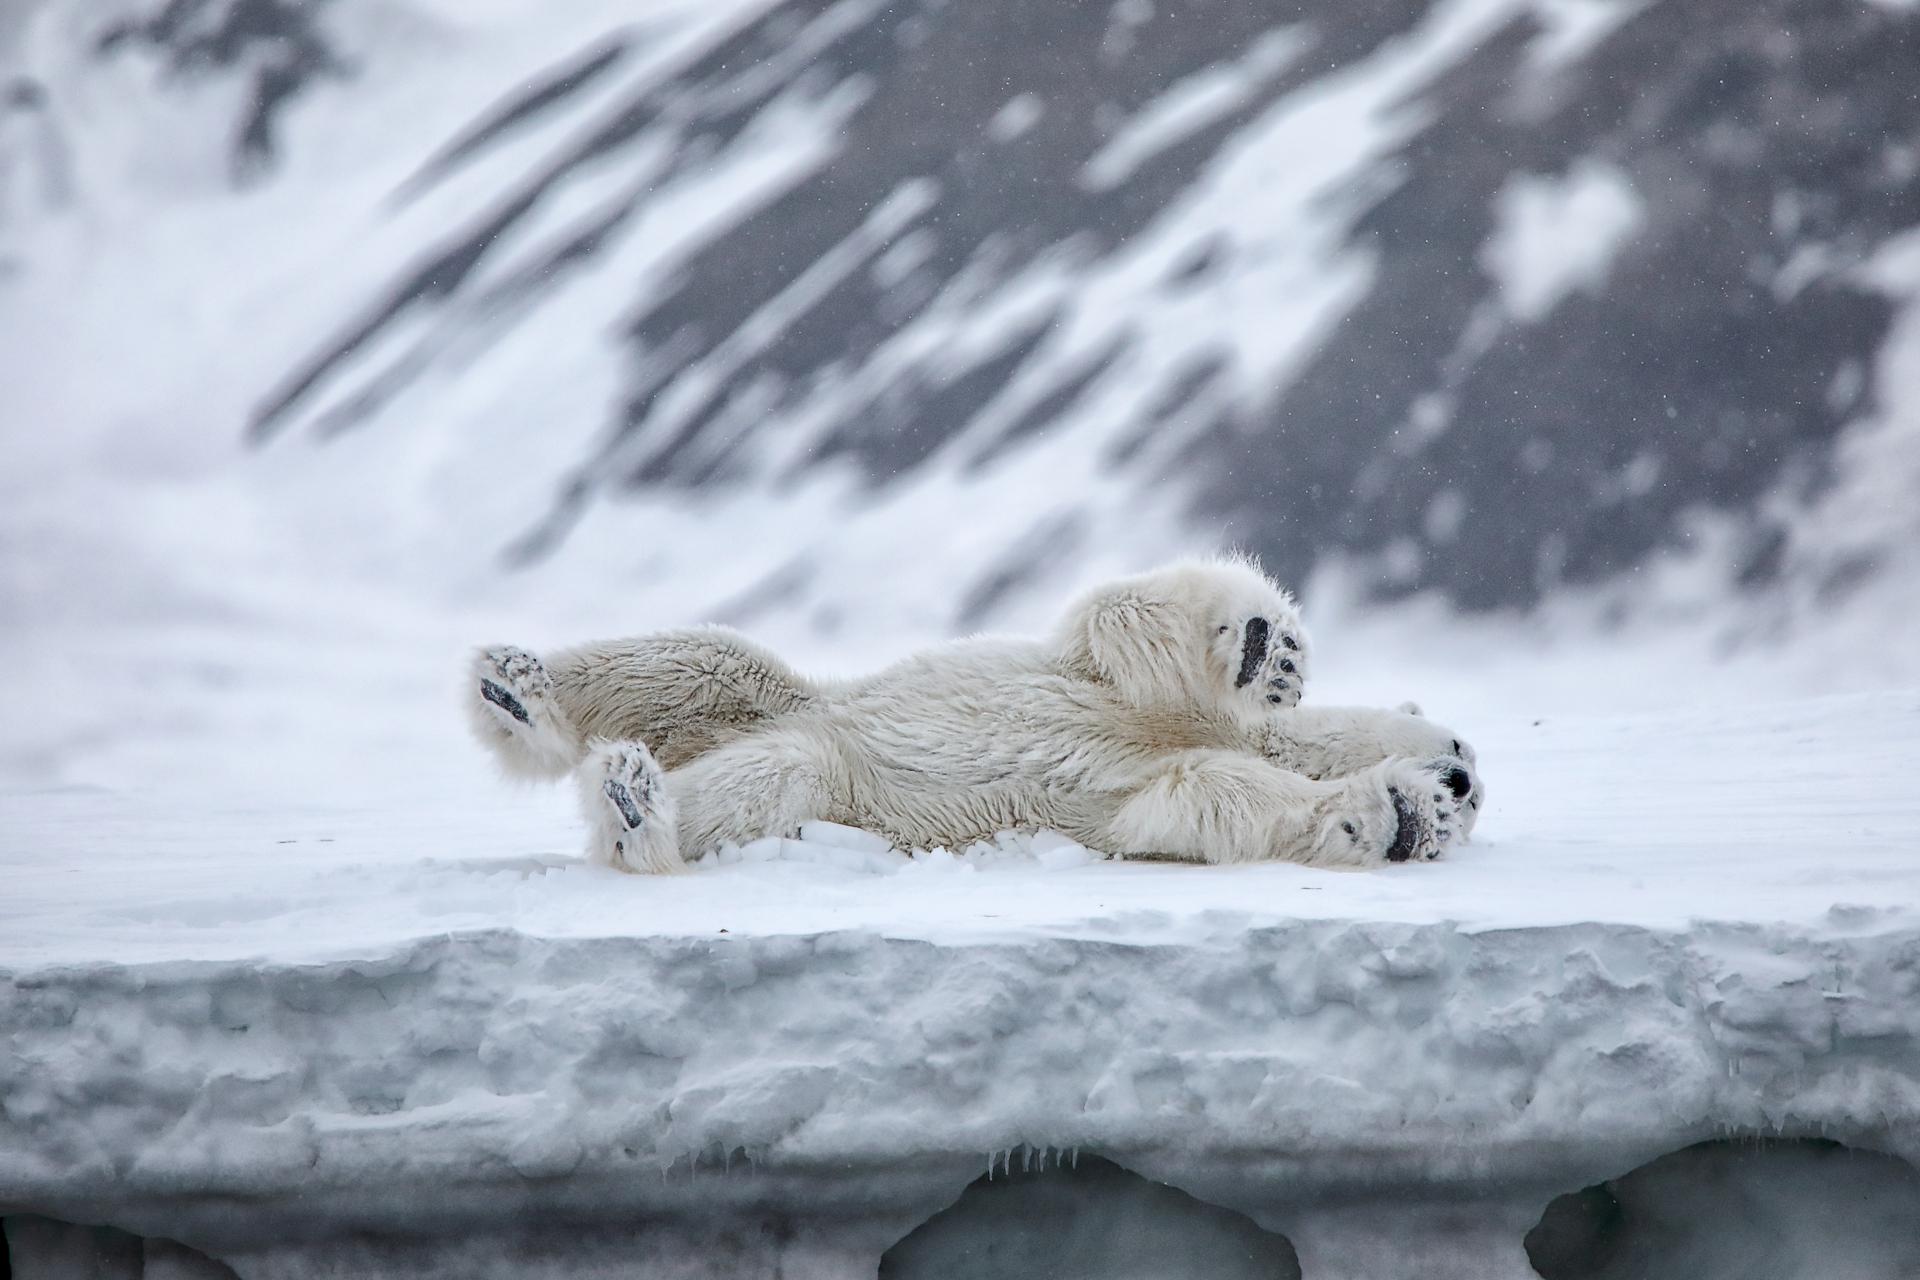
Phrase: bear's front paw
x=1400 y=810
x=1426 y=799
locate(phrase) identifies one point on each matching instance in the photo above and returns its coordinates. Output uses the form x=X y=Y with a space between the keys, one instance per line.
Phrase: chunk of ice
x=840 y=836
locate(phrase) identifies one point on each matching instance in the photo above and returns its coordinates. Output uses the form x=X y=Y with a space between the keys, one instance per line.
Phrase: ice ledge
x=856 y=1078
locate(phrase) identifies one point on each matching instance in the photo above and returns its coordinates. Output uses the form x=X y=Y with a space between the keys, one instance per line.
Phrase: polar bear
x=1142 y=726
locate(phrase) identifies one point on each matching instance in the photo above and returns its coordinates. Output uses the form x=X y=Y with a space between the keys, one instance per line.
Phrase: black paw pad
x=1253 y=651
x=623 y=801
x=499 y=697
x=1407 y=834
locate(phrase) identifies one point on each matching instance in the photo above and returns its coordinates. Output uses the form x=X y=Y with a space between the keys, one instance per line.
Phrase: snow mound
x=856 y=1083
x=843 y=848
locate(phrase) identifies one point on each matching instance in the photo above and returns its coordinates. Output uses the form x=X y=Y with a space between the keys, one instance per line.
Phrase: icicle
x=1076 y=1157
x=989 y=1166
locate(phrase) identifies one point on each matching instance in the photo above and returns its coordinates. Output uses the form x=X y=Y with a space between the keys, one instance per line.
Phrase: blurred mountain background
x=335 y=332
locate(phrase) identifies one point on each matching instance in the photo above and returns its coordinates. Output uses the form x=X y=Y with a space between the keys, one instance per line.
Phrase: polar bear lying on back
x=1159 y=719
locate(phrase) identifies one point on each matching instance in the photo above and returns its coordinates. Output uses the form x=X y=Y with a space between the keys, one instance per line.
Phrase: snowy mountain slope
x=1483 y=297
x=1128 y=248
x=170 y=591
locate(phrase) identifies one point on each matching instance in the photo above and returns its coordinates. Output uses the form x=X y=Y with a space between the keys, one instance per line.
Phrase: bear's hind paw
x=513 y=713
x=630 y=816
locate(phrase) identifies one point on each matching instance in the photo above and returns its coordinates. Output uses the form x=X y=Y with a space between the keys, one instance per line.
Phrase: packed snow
x=389 y=1007
x=1795 y=813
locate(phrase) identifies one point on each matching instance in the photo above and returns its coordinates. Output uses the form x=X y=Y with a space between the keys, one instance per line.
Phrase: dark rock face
x=275 y=44
x=1432 y=428
x=1752 y=134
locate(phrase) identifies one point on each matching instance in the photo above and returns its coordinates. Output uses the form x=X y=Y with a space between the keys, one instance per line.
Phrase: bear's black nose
x=1457 y=782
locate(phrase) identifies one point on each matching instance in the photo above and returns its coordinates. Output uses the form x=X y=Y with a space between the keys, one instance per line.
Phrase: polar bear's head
x=1214 y=636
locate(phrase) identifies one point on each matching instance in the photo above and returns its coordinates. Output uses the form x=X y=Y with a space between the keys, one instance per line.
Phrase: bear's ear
x=1133 y=641
x=1410 y=708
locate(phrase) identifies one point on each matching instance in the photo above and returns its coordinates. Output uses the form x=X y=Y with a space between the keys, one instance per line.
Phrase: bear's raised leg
x=681 y=692
x=630 y=811
x=511 y=707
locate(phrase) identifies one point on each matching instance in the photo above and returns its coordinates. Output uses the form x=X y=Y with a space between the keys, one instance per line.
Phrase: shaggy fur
x=1335 y=742
x=681 y=692
x=1140 y=727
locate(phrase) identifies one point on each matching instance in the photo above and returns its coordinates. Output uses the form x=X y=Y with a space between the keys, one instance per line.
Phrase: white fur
x=1335 y=742
x=546 y=745
x=681 y=692
x=1139 y=727
x=649 y=844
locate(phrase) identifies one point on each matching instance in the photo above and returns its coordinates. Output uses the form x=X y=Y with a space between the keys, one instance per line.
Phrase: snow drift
x=1365 y=1090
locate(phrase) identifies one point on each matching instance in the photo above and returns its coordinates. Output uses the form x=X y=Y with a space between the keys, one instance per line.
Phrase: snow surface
x=1799 y=813
x=397 y=1011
